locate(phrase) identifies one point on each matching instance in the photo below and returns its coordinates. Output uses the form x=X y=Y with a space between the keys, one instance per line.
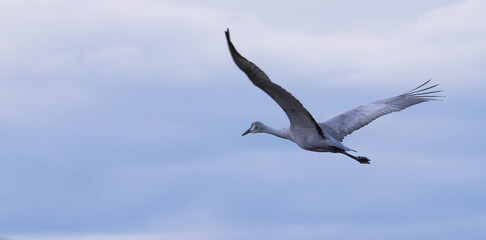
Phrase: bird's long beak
x=247 y=131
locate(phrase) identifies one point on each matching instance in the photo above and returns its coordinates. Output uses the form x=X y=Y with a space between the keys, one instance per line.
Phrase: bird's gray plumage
x=325 y=136
x=299 y=116
x=347 y=122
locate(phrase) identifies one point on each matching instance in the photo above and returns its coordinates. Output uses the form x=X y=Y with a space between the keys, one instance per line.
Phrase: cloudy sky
x=122 y=119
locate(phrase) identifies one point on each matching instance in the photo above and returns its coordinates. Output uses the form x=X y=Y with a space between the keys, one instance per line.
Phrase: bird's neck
x=281 y=133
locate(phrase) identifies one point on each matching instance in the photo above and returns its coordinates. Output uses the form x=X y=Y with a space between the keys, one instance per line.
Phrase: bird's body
x=325 y=136
x=308 y=140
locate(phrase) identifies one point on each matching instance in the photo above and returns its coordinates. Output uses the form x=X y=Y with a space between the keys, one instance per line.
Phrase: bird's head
x=256 y=127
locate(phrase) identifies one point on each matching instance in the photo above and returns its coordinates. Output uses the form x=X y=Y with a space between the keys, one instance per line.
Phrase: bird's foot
x=363 y=160
x=360 y=159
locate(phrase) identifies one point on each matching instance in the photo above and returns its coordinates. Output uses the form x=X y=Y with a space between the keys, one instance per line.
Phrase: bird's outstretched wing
x=299 y=117
x=345 y=123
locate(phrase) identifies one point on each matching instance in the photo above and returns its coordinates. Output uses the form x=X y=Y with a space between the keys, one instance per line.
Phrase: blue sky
x=123 y=120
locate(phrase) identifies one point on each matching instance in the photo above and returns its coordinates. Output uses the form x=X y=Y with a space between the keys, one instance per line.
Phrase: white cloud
x=177 y=43
x=444 y=44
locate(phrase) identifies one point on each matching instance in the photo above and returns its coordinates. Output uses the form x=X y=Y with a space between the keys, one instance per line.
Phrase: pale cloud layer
x=123 y=120
x=157 y=38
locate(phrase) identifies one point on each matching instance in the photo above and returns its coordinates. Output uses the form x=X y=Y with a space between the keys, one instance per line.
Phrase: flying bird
x=324 y=136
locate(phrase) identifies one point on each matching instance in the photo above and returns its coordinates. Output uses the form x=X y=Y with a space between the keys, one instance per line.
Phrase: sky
x=122 y=119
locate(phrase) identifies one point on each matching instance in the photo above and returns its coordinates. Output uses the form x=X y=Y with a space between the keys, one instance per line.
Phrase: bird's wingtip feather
x=227 y=33
x=421 y=91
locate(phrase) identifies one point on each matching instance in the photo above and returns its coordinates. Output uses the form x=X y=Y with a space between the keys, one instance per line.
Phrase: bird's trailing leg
x=360 y=159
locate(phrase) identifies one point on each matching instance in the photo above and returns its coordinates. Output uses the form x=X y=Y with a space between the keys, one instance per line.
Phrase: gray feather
x=347 y=122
